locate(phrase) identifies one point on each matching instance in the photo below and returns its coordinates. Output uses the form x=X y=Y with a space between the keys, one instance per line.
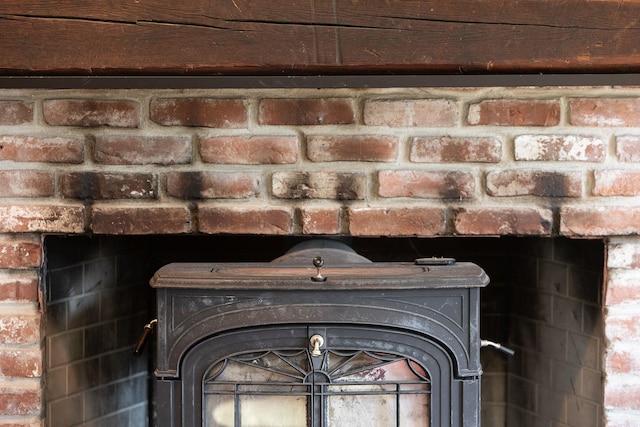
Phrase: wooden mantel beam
x=260 y=37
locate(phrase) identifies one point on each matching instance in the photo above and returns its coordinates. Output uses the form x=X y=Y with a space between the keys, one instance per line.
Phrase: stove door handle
x=316 y=342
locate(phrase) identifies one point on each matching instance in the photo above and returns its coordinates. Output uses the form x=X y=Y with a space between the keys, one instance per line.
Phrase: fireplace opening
x=544 y=301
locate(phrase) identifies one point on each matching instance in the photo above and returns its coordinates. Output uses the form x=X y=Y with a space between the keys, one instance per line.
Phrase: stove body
x=319 y=337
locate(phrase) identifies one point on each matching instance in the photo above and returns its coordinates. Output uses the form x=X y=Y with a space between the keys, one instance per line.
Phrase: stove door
x=298 y=388
x=357 y=376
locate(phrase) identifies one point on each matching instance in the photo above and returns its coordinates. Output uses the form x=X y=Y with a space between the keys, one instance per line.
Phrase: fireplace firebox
x=321 y=336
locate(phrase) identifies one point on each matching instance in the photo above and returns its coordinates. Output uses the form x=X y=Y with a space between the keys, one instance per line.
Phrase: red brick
x=622 y=359
x=143 y=150
x=628 y=148
x=19 y=285
x=41 y=218
x=259 y=220
x=455 y=149
x=15 y=401
x=319 y=185
x=108 y=185
x=140 y=220
x=623 y=287
x=19 y=252
x=621 y=394
x=26 y=183
x=602 y=112
x=330 y=111
x=616 y=183
x=426 y=184
x=41 y=149
x=20 y=363
x=212 y=185
x=599 y=221
x=320 y=220
x=410 y=113
x=19 y=329
x=15 y=112
x=515 y=112
x=204 y=112
x=91 y=112
x=623 y=327
x=501 y=221
x=396 y=221
x=534 y=183
x=358 y=148
x=250 y=150
x=560 y=148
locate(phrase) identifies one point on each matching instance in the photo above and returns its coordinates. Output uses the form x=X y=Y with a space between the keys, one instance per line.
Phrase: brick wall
x=367 y=162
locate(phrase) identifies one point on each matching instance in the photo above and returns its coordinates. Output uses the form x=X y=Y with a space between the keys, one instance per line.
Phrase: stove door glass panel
x=335 y=389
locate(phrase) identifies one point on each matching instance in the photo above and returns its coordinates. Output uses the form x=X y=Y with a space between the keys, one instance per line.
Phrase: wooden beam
x=259 y=37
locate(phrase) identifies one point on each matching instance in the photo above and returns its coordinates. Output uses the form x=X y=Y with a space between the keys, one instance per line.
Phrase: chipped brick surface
x=91 y=113
x=203 y=112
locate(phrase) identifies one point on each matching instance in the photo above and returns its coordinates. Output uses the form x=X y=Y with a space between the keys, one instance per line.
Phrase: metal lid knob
x=318 y=262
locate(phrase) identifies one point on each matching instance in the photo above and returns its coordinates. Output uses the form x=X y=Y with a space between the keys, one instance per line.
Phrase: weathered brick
x=622 y=357
x=26 y=183
x=22 y=363
x=143 y=150
x=616 y=183
x=41 y=149
x=623 y=255
x=319 y=185
x=622 y=417
x=258 y=220
x=108 y=185
x=17 y=401
x=250 y=150
x=628 y=148
x=440 y=149
x=357 y=148
x=320 y=220
x=503 y=221
x=426 y=184
x=19 y=252
x=204 y=112
x=19 y=329
x=515 y=112
x=622 y=393
x=140 y=220
x=411 y=113
x=599 y=220
x=560 y=148
x=41 y=218
x=21 y=285
x=91 y=112
x=396 y=221
x=15 y=112
x=516 y=182
x=603 y=112
x=302 y=112
x=622 y=288
x=212 y=185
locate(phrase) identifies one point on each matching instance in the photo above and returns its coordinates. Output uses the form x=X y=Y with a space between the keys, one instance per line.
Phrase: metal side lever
x=144 y=337
x=506 y=350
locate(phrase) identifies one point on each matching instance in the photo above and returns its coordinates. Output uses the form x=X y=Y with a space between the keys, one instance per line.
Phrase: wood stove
x=318 y=337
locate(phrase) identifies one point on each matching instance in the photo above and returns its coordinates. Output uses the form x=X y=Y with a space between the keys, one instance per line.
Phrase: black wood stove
x=319 y=337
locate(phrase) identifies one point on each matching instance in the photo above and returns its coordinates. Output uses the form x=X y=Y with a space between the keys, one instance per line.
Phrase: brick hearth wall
x=374 y=162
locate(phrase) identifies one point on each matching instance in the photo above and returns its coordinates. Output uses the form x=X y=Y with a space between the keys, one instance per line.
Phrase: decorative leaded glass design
x=334 y=389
